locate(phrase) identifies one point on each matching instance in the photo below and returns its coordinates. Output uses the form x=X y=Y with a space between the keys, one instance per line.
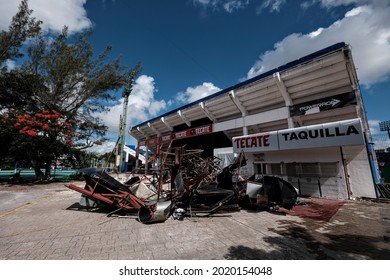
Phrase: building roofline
x=288 y=65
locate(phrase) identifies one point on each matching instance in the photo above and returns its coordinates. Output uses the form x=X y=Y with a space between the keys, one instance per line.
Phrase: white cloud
x=374 y=126
x=336 y=3
x=106 y=147
x=366 y=28
x=54 y=14
x=194 y=93
x=141 y=107
x=156 y=106
x=228 y=6
x=142 y=102
x=271 y=5
x=232 y=5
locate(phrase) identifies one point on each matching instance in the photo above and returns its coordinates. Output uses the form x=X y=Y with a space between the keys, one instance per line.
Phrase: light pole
x=125 y=95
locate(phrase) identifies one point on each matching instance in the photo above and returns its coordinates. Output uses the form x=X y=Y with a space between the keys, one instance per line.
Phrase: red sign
x=193 y=132
x=201 y=130
x=256 y=142
x=166 y=138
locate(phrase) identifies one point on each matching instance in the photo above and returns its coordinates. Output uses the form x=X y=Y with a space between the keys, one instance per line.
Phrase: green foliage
x=47 y=105
x=23 y=26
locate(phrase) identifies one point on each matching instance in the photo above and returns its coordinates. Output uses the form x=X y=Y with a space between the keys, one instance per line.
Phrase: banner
x=166 y=138
x=193 y=132
x=323 y=104
x=340 y=133
x=256 y=142
x=201 y=130
x=324 y=135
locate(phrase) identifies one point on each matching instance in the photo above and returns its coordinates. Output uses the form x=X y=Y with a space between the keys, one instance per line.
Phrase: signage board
x=324 y=135
x=201 y=130
x=323 y=104
x=193 y=132
x=340 y=133
x=256 y=142
x=166 y=138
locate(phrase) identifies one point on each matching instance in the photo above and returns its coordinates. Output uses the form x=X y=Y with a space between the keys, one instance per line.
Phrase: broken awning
x=339 y=133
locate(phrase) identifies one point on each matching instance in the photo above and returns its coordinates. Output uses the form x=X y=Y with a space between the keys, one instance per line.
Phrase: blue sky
x=192 y=48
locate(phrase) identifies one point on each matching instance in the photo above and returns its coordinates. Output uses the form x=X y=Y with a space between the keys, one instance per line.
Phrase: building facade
x=303 y=121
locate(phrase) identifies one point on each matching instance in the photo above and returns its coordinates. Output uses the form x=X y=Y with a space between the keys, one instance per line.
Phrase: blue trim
x=131 y=147
x=261 y=76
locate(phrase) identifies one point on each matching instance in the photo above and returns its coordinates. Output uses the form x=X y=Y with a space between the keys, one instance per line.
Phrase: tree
x=40 y=137
x=51 y=101
x=23 y=26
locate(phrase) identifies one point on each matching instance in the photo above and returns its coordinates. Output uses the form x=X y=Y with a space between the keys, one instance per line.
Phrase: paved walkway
x=41 y=224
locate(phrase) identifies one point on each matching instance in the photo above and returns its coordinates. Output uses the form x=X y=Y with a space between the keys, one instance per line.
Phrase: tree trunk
x=48 y=168
x=38 y=173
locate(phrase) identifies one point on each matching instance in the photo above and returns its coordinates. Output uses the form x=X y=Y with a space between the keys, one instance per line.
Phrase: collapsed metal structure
x=186 y=184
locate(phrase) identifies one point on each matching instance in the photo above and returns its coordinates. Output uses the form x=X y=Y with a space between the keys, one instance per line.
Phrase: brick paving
x=46 y=227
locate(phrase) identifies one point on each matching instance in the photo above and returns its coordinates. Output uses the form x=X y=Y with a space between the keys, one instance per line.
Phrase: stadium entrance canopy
x=324 y=82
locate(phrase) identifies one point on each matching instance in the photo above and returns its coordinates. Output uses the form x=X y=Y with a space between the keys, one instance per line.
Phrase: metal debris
x=187 y=185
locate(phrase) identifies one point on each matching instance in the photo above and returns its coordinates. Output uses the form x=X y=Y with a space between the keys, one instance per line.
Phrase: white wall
x=358 y=166
x=332 y=187
x=303 y=155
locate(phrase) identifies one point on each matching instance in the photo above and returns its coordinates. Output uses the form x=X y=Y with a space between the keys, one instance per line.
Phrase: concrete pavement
x=42 y=224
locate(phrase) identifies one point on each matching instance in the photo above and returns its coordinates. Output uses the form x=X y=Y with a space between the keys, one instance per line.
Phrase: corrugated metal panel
x=338 y=114
x=267 y=106
x=293 y=80
x=160 y=126
x=331 y=81
x=258 y=95
x=228 y=115
x=323 y=94
x=315 y=89
x=314 y=66
x=221 y=111
x=194 y=113
x=174 y=120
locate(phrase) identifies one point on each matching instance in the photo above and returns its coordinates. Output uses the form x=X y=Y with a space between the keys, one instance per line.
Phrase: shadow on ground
x=295 y=242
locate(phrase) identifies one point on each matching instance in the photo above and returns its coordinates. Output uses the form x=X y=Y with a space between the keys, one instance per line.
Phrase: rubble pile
x=187 y=185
